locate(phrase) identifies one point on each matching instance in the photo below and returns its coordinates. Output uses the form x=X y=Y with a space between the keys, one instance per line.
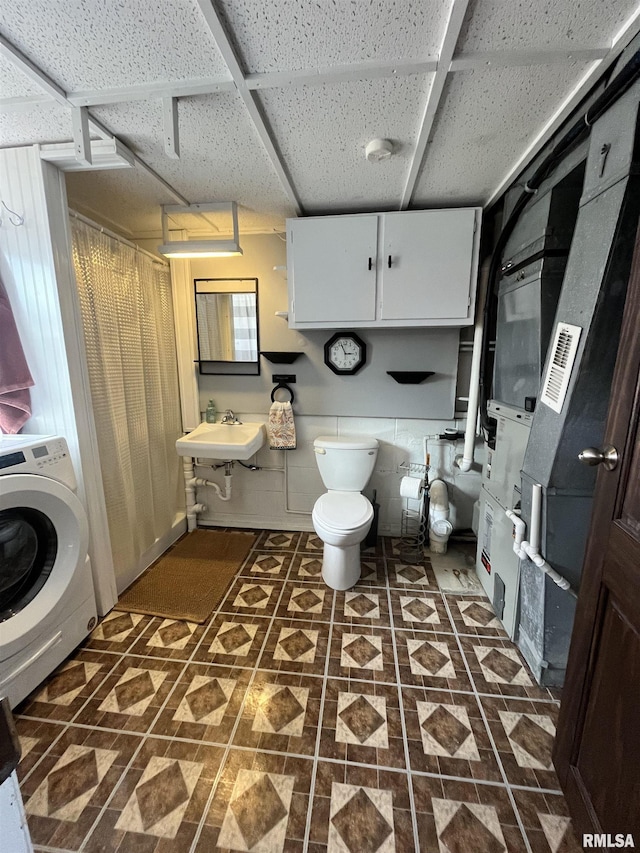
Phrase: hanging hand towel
x=15 y=378
x=281 y=427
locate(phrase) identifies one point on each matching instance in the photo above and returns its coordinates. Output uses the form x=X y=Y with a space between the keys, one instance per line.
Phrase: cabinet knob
x=389 y=262
x=370 y=264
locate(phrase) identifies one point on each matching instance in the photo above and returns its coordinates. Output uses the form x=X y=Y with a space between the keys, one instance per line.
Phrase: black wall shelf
x=410 y=377
x=281 y=357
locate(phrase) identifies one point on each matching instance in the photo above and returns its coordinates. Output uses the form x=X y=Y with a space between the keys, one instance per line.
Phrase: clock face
x=345 y=353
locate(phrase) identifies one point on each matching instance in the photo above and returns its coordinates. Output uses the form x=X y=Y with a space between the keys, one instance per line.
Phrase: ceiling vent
x=563 y=355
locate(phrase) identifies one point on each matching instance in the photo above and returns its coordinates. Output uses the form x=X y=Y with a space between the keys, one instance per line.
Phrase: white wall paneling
x=36 y=266
x=184 y=313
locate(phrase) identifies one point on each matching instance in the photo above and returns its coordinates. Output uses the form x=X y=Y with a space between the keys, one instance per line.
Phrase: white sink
x=222 y=441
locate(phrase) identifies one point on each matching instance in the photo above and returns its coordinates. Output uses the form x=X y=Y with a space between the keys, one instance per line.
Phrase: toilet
x=342 y=517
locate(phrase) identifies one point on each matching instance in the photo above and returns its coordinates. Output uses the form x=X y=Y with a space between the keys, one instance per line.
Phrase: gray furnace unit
x=571 y=412
x=497 y=565
x=532 y=270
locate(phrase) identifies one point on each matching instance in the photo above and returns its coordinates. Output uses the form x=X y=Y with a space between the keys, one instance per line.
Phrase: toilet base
x=341 y=565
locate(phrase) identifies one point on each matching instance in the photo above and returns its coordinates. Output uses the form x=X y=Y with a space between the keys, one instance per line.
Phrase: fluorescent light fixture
x=209 y=248
x=200 y=249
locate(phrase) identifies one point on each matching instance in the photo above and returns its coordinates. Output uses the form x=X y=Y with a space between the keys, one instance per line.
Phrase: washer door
x=43 y=540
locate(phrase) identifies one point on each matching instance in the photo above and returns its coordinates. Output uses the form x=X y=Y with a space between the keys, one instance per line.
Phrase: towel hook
x=284 y=387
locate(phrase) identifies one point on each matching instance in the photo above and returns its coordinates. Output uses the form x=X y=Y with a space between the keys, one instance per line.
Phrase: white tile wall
x=282 y=494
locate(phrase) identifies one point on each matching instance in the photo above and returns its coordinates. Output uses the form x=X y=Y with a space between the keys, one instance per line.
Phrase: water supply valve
x=451 y=435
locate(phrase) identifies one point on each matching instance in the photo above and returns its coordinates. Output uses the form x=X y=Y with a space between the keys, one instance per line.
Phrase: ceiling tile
x=520 y=24
x=487 y=118
x=84 y=45
x=125 y=199
x=286 y=35
x=485 y=122
x=13 y=83
x=129 y=201
x=322 y=132
x=44 y=123
x=221 y=155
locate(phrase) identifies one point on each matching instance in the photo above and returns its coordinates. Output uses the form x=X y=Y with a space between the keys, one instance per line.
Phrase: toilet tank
x=345 y=462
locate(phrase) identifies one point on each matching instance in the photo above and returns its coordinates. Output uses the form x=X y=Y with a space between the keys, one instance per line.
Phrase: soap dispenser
x=210 y=414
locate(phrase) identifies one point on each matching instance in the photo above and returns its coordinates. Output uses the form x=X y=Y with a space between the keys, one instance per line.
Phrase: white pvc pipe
x=190 y=483
x=199 y=481
x=435 y=451
x=530 y=550
x=438 y=499
x=192 y=515
x=536 y=514
x=466 y=461
x=519 y=527
x=440 y=528
x=189 y=492
x=538 y=560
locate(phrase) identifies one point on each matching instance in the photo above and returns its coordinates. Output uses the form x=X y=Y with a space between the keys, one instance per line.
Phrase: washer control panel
x=46 y=455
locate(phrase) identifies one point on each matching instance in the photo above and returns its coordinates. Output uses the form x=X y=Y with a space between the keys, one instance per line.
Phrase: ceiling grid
x=454 y=25
x=271 y=102
x=224 y=45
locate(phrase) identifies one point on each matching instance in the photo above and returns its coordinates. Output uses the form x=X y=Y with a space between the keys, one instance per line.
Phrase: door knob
x=608 y=456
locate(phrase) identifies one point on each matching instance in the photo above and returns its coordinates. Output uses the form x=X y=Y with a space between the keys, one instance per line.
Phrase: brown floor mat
x=191 y=578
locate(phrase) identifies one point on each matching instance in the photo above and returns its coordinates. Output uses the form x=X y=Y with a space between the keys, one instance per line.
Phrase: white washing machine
x=47 y=601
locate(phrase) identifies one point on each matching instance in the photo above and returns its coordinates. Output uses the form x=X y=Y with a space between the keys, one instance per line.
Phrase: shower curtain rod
x=117 y=237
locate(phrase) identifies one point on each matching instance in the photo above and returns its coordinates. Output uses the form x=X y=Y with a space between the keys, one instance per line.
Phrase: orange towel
x=15 y=378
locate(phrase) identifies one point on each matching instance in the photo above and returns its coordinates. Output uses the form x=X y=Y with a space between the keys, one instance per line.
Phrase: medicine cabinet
x=227 y=325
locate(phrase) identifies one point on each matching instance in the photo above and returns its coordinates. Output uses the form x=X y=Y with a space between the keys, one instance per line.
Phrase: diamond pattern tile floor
x=389 y=717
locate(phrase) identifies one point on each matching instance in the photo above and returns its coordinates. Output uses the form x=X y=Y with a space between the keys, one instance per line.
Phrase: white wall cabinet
x=376 y=270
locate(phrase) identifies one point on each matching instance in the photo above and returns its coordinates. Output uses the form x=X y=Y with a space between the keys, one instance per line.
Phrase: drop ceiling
x=271 y=103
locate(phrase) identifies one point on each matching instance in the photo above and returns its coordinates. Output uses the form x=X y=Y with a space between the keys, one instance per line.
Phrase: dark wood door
x=597 y=752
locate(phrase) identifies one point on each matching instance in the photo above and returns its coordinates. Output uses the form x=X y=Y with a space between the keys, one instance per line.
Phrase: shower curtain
x=245 y=326
x=215 y=325
x=127 y=314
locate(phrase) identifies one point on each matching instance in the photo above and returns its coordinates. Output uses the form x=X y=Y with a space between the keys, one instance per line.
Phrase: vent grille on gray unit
x=563 y=355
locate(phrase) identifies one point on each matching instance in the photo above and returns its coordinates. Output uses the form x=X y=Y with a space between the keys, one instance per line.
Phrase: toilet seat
x=343 y=511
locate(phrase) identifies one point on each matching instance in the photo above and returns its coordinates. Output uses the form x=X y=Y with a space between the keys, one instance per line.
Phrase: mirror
x=227 y=324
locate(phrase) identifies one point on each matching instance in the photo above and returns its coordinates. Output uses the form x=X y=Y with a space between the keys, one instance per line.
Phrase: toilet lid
x=343 y=510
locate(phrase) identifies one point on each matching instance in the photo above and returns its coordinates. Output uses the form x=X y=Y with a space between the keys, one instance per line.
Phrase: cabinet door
x=427 y=265
x=328 y=260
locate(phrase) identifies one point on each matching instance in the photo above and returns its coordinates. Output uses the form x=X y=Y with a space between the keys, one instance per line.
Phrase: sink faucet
x=229 y=418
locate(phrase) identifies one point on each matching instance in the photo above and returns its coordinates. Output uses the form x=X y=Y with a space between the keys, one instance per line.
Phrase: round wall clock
x=345 y=353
